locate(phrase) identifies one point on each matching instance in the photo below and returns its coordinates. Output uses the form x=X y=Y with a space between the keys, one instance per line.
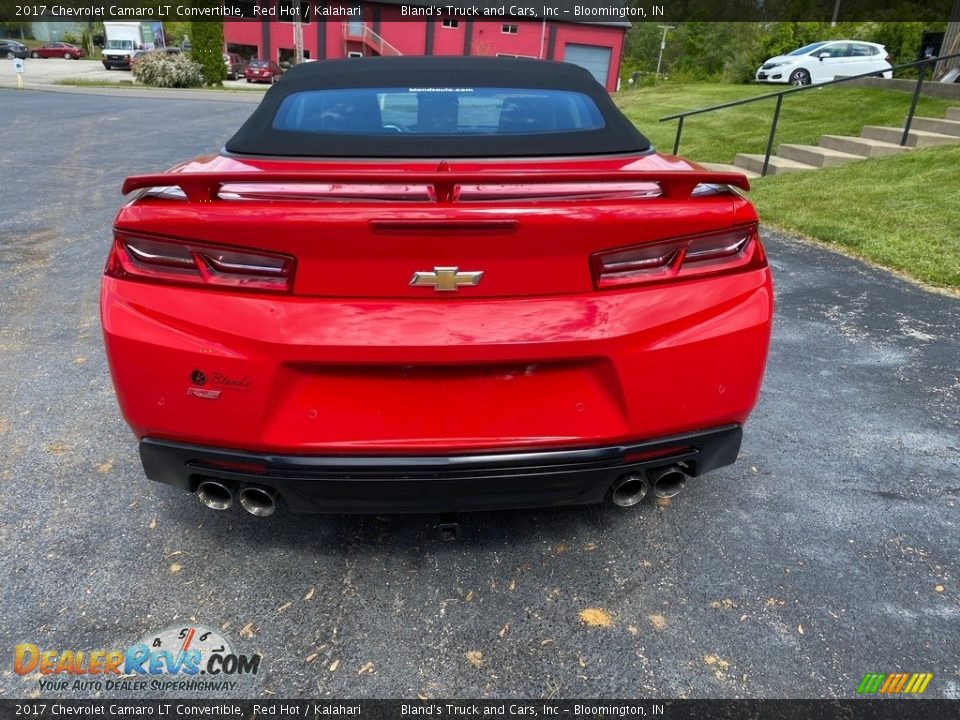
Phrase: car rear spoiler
x=205 y=187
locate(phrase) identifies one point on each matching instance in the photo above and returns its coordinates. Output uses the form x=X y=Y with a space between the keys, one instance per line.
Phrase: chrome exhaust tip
x=668 y=482
x=215 y=495
x=628 y=490
x=259 y=501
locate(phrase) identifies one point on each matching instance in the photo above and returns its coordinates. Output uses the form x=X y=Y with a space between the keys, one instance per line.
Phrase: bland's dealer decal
x=180 y=658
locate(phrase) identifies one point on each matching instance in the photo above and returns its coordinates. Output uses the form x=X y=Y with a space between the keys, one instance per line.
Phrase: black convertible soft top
x=268 y=132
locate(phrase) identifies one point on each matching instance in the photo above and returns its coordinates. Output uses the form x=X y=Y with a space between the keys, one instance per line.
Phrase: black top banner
x=589 y=11
x=431 y=709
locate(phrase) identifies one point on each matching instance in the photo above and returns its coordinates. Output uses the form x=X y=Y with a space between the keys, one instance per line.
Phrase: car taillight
x=176 y=261
x=679 y=258
x=889 y=59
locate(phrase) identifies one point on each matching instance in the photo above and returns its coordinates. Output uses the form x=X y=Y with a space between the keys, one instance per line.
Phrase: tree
x=15 y=27
x=733 y=51
x=175 y=32
x=206 y=39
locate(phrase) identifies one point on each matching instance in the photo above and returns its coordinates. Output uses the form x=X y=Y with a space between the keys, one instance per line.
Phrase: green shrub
x=206 y=40
x=173 y=71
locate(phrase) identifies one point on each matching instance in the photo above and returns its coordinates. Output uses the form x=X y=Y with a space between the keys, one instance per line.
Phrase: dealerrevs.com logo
x=181 y=658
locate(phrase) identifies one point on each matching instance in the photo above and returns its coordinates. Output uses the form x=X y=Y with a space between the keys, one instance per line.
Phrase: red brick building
x=380 y=28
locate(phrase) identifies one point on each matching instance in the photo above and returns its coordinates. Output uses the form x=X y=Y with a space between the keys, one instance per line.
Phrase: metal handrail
x=371 y=39
x=922 y=64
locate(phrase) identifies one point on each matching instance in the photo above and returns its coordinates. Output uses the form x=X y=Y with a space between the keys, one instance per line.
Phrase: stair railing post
x=913 y=105
x=676 y=140
x=773 y=132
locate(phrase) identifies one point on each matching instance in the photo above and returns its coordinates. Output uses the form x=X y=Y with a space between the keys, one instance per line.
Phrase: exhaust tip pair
x=630 y=489
x=256 y=500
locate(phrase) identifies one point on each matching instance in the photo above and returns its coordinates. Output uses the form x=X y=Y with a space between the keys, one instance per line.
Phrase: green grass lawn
x=902 y=211
x=805 y=116
x=81 y=82
x=129 y=82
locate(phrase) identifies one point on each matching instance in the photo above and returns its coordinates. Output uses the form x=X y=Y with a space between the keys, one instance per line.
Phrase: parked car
x=235 y=65
x=11 y=49
x=821 y=62
x=136 y=55
x=260 y=70
x=58 y=49
x=337 y=314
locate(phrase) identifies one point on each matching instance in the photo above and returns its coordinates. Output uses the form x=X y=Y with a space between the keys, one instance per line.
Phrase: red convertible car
x=435 y=284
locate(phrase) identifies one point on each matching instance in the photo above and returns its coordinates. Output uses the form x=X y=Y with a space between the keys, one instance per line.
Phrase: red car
x=58 y=49
x=414 y=284
x=260 y=70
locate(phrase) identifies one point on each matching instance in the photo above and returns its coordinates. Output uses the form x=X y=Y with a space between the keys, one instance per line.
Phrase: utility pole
x=836 y=14
x=663 y=44
x=298 y=39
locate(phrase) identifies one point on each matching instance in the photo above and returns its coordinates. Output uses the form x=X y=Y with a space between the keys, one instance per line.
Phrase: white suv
x=821 y=62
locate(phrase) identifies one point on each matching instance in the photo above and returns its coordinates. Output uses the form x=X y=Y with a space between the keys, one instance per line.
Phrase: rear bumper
x=313 y=376
x=438 y=483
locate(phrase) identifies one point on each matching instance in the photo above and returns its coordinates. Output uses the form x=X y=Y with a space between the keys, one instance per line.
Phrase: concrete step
x=953 y=113
x=864 y=147
x=816 y=156
x=778 y=165
x=916 y=138
x=936 y=125
x=723 y=167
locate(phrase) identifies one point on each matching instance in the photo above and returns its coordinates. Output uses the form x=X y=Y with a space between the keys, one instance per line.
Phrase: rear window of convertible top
x=437 y=111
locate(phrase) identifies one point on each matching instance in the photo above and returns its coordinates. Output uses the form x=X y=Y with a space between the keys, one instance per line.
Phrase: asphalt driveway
x=40 y=72
x=829 y=551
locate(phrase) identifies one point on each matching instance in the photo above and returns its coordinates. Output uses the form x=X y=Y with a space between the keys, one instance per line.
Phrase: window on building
x=245 y=52
x=509 y=29
x=287 y=56
x=451 y=23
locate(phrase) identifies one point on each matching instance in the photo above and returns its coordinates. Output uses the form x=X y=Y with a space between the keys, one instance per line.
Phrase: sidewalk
x=44 y=74
x=140 y=92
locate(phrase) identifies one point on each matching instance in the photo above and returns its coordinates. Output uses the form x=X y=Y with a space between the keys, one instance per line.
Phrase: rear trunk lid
x=456 y=230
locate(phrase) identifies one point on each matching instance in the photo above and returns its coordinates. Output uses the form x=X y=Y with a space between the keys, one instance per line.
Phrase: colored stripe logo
x=894 y=683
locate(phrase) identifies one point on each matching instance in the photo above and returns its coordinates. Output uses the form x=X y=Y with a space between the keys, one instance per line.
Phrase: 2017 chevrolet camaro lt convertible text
x=435 y=284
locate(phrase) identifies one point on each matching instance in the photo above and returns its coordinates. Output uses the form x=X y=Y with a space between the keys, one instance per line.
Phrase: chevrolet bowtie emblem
x=445 y=279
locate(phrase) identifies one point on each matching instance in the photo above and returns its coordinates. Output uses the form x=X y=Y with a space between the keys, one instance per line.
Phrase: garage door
x=592 y=57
